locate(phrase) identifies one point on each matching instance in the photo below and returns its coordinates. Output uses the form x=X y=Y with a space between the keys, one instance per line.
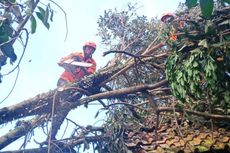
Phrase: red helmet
x=91 y=44
x=167 y=17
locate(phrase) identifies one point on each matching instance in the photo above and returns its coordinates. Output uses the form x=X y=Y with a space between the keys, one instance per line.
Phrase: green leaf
x=179 y=75
x=195 y=64
x=182 y=82
x=12 y=1
x=46 y=16
x=226 y=97
x=33 y=24
x=191 y=3
x=189 y=72
x=8 y=29
x=206 y=7
x=43 y=16
x=39 y=15
x=226 y=1
x=51 y=16
x=193 y=87
x=197 y=78
x=42 y=11
x=3 y=35
x=30 y=6
x=227 y=37
x=3 y=38
x=203 y=43
x=97 y=114
x=210 y=28
x=47 y=25
x=8 y=51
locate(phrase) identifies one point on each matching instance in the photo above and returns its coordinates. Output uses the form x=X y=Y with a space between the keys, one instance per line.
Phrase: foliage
x=15 y=15
x=125 y=30
x=200 y=76
x=205 y=5
x=131 y=33
x=198 y=67
x=142 y=114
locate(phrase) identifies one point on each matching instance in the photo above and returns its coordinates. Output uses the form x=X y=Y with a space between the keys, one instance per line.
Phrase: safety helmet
x=91 y=44
x=167 y=17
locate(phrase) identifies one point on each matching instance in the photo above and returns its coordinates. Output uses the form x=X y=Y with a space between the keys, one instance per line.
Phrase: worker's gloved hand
x=70 y=68
x=76 y=59
x=84 y=69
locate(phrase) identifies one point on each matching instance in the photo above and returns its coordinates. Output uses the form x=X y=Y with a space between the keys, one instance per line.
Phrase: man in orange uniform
x=73 y=72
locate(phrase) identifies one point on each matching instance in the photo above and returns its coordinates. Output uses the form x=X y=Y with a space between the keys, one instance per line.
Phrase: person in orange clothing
x=78 y=64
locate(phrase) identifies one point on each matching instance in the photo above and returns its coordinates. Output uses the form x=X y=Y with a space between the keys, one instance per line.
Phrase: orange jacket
x=77 y=73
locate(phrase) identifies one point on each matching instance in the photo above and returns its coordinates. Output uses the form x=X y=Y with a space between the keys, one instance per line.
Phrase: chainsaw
x=71 y=65
x=80 y=64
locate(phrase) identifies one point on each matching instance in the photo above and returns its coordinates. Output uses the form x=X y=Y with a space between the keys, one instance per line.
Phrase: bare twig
x=123 y=103
x=66 y=24
x=131 y=63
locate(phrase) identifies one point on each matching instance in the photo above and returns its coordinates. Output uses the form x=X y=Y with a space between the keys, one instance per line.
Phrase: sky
x=39 y=71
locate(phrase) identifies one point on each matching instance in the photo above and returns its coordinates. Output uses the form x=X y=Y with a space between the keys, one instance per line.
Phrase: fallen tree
x=152 y=104
x=50 y=105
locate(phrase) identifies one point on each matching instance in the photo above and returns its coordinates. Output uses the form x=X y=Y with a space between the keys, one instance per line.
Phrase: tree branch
x=42 y=103
x=20 y=130
x=64 y=145
x=131 y=63
x=202 y=114
x=121 y=92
